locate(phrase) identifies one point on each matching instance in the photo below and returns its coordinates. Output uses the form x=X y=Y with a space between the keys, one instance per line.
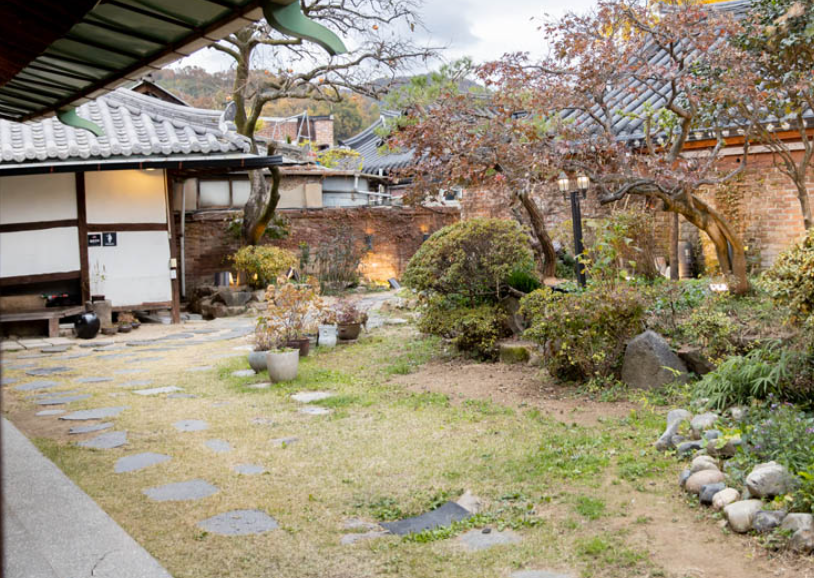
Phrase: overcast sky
x=482 y=29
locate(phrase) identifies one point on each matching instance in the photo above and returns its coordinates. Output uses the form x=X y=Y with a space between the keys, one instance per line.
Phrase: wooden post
x=176 y=288
x=82 y=227
x=674 y=230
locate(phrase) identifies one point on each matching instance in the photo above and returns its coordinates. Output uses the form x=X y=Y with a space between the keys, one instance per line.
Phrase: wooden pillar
x=82 y=227
x=176 y=287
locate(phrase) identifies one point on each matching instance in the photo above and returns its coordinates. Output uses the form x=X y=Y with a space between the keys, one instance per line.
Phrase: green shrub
x=584 y=334
x=523 y=280
x=712 y=330
x=262 y=264
x=621 y=245
x=475 y=330
x=790 y=281
x=471 y=260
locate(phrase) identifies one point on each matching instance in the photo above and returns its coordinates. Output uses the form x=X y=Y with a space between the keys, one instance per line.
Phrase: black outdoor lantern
x=583 y=182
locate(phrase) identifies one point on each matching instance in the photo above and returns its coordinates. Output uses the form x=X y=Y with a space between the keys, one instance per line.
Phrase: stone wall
x=392 y=233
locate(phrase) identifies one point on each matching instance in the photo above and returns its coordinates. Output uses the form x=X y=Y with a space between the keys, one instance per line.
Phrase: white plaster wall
x=28 y=198
x=137 y=270
x=125 y=197
x=39 y=252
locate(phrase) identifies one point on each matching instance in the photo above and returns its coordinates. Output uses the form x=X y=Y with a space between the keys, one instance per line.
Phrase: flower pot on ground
x=125 y=328
x=327 y=335
x=291 y=313
x=348 y=331
x=349 y=320
x=257 y=360
x=303 y=344
x=282 y=364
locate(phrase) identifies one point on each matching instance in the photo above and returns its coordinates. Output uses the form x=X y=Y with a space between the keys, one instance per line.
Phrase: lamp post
x=564 y=184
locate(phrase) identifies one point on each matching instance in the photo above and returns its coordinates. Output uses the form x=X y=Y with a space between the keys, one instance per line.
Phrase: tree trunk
x=549 y=265
x=674 y=247
x=260 y=207
x=805 y=202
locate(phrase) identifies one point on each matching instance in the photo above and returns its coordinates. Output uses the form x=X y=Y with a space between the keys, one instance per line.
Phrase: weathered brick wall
x=395 y=234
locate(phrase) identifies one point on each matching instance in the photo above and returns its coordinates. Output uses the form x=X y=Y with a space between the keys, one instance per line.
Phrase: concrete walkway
x=52 y=529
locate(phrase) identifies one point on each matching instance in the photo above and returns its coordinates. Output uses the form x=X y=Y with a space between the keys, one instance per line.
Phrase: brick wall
x=395 y=234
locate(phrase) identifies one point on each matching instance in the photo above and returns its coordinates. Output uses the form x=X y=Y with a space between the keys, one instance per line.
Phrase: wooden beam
x=82 y=218
x=42 y=278
x=37 y=225
x=125 y=227
x=144 y=306
x=175 y=282
x=787 y=135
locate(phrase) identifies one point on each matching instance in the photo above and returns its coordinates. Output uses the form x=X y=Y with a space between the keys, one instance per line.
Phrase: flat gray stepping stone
x=221 y=403
x=314 y=410
x=73 y=356
x=35 y=385
x=137 y=383
x=53 y=394
x=140 y=342
x=48 y=370
x=8 y=381
x=218 y=446
x=61 y=400
x=244 y=348
x=83 y=429
x=349 y=539
x=249 y=469
x=311 y=396
x=538 y=574
x=199 y=368
x=181 y=396
x=181 y=491
x=227 y=355
x=187 y=425
x=55 y=349
x=33 y=356
x=160 y=349
x=20 y=366
x=143 y=360
x=50 y=412
x=284 y=442
x=110 y=347
x=244 y=373
x=176 y=336
x=158 y=390
x=139 y=462
x=475 y=540
x=129 y=371
x=98 y=413
x=239 y=523
x=261 y=385
x=205 y=331
x=116 y=356
x=440 y=517
x=93 y=379
x=360 y=525
x=106 y=441
x=95 y=344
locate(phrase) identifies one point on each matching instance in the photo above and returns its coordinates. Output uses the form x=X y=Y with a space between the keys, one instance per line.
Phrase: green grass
x=591 y=508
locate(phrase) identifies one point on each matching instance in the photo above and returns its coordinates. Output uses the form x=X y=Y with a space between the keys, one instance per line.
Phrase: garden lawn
x=586 y=500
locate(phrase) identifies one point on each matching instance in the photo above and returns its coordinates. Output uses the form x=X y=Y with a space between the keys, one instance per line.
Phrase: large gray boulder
x=741 y=515
x=769 y=479
x=647 y=359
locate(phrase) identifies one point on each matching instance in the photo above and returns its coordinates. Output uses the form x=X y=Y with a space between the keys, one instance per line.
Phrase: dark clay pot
x=87 y=326
x=304 y=345
x=126 y=328
x=348 y=332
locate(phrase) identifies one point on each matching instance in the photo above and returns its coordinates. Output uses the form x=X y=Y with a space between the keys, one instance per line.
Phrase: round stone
x=725 y=497
x=239 y=523
x=703 y=478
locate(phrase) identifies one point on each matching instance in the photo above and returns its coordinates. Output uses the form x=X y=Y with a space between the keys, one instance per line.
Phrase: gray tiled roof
x=367 y=143
x=134 y=125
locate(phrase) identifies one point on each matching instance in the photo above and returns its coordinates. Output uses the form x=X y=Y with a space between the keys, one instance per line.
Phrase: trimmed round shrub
x=262 y=264
x=474 y=330
x=471 y=260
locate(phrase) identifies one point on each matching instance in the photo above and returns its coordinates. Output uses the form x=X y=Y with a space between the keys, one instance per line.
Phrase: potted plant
x=125 y=322
x=349 y=320
x=262 y=345
x=327 y=329
x=290 y=308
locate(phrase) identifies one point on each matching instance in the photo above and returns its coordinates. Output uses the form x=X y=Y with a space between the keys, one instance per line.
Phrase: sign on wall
x=102 y=239
x=94 y=239
x=108 y=239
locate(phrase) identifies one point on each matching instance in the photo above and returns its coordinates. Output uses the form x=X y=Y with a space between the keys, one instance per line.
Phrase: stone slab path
x=181 y=491
x=442 y=516
x=41 y=510
x=475 y=540
x=239 y=523
x=190 y=425
x=98 y=413
x=83 y=429
x=106 y=441
x=138 y=462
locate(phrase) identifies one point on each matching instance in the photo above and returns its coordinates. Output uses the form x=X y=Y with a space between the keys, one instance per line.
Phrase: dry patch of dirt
x=510 y=385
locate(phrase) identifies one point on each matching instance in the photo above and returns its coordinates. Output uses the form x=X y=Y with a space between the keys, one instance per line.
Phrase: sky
x=482 y=29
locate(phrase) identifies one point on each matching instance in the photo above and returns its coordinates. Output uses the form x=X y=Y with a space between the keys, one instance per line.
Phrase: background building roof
x=368 y=143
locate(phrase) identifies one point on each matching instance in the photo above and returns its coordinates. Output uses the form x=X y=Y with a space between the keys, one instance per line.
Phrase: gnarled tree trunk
x=260 y=207
x=549 y=255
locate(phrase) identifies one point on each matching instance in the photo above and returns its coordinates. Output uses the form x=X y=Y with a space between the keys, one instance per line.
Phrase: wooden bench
x=50 y=314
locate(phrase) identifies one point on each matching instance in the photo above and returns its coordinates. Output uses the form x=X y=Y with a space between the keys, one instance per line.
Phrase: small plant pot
x=109 y=330
x=257 y=361
x=327 y=336
x=125 y=328
x=303 y=344
x=283 y=365
x=348 y=331
x=135 y=324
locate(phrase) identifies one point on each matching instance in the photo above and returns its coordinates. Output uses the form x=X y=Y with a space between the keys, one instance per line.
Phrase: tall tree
x=271 y=66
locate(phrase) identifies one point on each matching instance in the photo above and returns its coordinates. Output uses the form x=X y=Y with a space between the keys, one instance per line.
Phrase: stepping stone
x=20 y=366
x=116 y=356
x=33 y=356
x=53 y=394
x=239 y=523
x=55 y=349
x=110 y=347
x=443 y=516
x=360 y=525
x=262 y=421
x=284 y=442
x=221 y=403
x=128 y=371
x=261 y=385
x=349 y=539
x=538 y=574
x=143 y=360
x=73 y=356
x=475 y=540
x=248 y=469
x=244 y=348
x=50 y=412
x=176 y=336
x=8 y=381
x=137 y=383
x=98 y=413
x=158 y=390
x=61 y=400
x=218 y=446
x=160 y=349
x=314 y=410
x=181 y=491
x=83 y=429
x=140 y=342
x=139 y=462
x=95 y=344
x=199 y=368
x=106 y=441
x=227 y=355
x=206 y=331
x=93 y=379
x=310 y=396
x=48 y=370
x=181 y=396
x=189 y=425
x=244 y=373
x=35 y=385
